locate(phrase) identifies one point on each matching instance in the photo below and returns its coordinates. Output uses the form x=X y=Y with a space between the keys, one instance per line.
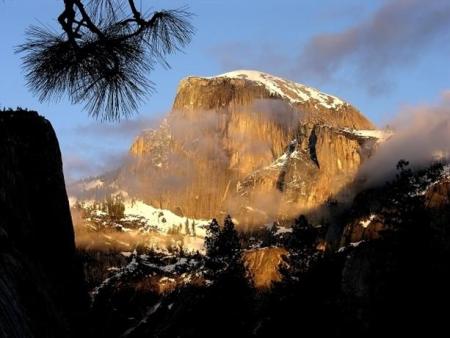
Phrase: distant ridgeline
x=41 y=282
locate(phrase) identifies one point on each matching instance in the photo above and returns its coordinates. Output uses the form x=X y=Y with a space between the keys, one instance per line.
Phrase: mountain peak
x=290 y=90
x=253 y=89
x=234 y=139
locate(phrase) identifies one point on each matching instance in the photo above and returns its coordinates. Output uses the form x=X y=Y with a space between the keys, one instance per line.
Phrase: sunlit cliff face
x=249 y=144
x=262 y=149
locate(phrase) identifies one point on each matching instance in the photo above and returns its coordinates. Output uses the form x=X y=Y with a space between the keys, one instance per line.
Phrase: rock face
x=251 y=144
x=438 y=195
x=263 y=265
x=41 y=282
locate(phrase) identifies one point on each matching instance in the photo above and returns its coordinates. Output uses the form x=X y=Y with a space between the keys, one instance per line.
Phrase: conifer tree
x=230 y=289
x=187 y=230
x=212 y=239
x=193 y=229
x=229 y=245
x=115 y=208
x=303 y=236
x=301 y=245
x=269 y=235
x=104 y=55
x=223 y=249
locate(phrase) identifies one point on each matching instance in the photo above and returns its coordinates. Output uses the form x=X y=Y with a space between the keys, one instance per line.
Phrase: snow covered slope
x=142 y=224
x=161 y=219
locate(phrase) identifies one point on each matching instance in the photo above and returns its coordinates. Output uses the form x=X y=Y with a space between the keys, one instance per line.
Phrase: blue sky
x=378 y=55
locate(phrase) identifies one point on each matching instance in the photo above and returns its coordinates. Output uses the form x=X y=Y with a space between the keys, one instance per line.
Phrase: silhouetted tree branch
x=104 y=55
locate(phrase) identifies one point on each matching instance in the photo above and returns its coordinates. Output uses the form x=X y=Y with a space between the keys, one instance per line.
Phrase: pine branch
x=102 y=60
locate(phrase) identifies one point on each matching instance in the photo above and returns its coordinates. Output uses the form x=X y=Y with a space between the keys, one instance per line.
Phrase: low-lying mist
x=421 y=135
x=208 y=152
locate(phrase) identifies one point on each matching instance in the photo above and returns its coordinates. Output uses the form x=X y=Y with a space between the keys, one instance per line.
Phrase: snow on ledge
x=380 y=134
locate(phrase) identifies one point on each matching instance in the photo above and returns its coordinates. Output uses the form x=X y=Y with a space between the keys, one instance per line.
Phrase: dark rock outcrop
x=369 y=227
x=41 y=282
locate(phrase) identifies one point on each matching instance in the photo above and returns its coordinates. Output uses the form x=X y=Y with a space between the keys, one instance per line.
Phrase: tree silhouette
x=104 y=54
x=114 y=207
x=303 y=236
x=223 y=249
x=187 y=229
x=301 y=245
x=212 y=239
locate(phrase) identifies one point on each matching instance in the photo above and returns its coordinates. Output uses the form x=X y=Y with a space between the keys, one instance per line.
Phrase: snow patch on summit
x=294 y=92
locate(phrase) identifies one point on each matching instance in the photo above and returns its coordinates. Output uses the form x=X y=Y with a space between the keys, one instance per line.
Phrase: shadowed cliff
x=41 y=282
